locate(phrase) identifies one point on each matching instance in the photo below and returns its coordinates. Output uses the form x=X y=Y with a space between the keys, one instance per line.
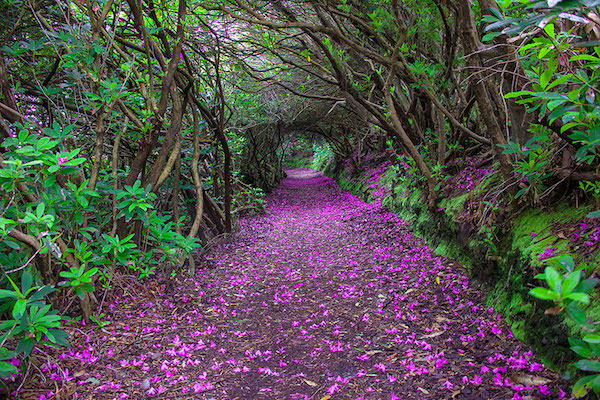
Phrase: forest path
x=324 y=295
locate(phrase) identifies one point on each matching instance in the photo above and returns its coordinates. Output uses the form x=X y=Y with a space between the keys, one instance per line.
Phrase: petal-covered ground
x=324 y=296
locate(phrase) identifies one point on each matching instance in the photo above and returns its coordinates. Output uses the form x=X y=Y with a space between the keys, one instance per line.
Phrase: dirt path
x=323 y=297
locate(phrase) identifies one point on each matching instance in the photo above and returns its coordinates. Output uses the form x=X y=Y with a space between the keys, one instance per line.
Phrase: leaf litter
x=322 y=297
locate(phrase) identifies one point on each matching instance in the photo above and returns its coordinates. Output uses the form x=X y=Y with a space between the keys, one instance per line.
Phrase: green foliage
x=249 y=198
x=564 y=78
x=533 y=162
x=31 y=321
x=592 y=188
x=569 y=287
x=45 y=201
x=79 y=280
x=322 y=155
x=99 y=320
x=135 y=200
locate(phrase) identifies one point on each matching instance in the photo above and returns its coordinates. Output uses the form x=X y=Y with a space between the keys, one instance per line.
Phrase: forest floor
x=323 y=297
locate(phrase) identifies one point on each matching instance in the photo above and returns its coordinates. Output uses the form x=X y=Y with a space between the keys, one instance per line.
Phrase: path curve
x=324 y=295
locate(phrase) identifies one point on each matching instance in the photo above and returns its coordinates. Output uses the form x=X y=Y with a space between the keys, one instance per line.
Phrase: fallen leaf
x=432 y=335
x=310 y=383
x=441 y=319
x=527 y=379
x=554 y=310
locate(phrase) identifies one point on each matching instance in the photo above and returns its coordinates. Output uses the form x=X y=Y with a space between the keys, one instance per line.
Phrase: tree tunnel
x=135 y=133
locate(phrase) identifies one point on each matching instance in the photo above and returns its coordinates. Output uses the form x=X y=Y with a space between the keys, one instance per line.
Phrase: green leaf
x=554 y=278
x=543 y=293
x=12 y=245
x=489 y=36
x=594 y=214
x=6 y=367
x=567 y=262
x=8 y=294
x=520 y=93
x=60 y=337
x=580 y=388
x=588 y=365
x=570 y=282
x=553 y=105
x=550 y=96
x=585 y=57
x=498 y=24
x=596 y=383
x=41 y=292
x=580 y=348
x=39 y=210
x=80 y=292
x=592 y=338
x=580 y=297
x=545 y=78
x=25 y=346
x=549 y=29
x=50 y=181
x=87 y=287
x=559 y=81
x=544 y=51
x=26 y=281
x=74 y=162
x=91 y=272
x=78 y=217
x=19 y=308
x=587 y=284
x=577 y=314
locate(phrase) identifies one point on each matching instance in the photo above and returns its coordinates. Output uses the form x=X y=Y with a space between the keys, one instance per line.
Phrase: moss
x=451 y=250
x=488 y=182
x=541 y=223
x=388 y=202
x=454 y=205
x=387 y=178
x=546 y=334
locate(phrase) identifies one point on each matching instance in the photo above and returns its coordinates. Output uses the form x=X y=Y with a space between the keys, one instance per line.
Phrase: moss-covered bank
x=506 y=268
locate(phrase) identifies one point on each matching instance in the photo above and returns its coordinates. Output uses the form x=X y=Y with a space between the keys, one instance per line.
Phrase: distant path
x=325 y=295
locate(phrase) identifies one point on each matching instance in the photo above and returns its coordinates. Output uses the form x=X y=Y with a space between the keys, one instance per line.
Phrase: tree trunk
x=226 y=177
x=8 y=99
x=510 y=81
x=471 y=44
x=196 y=176
x=175 y=197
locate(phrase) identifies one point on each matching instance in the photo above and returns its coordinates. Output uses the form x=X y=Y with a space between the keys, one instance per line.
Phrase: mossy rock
x=540 y=224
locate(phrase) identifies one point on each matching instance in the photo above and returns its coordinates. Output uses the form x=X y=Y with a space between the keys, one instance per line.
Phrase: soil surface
x=323 y=297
